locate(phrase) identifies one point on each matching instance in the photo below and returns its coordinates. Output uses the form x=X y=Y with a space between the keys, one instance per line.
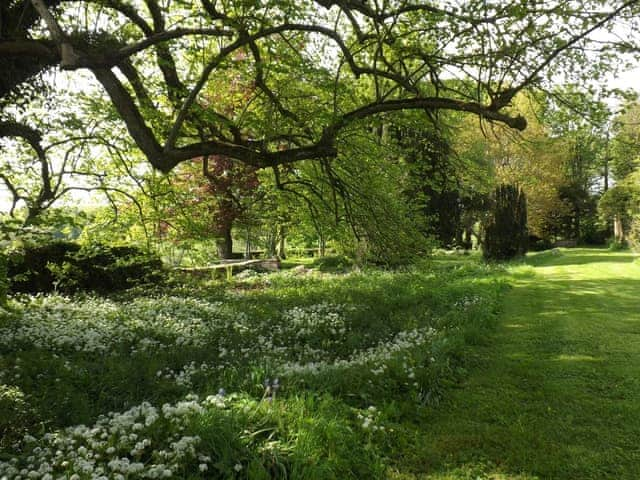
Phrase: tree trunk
x=467 y=242
x=322 y=246
x=33 y=214
x=459 y=237
x=247 y=248
x=282 y=234
x=225 y=244
x=618 y=229
x=270 y=243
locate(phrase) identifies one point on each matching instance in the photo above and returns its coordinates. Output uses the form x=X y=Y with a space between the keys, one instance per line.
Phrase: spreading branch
x=405 y=52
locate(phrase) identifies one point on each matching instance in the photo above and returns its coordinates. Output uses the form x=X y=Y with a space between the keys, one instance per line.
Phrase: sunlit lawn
x=556 y=392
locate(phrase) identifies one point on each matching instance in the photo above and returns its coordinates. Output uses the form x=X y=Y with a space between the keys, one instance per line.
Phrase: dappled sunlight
x=472 y=471
x=577 y=358
x=519 y=356
x=578 y=256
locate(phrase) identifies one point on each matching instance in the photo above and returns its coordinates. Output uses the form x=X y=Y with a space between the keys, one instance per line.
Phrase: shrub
x=28 y=268
x=616 y=245
x=67 y=267
x=108 y=268
x=506 y=234
x=333 y=263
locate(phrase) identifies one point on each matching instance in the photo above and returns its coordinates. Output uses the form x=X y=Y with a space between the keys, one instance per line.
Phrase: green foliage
x=68 y=267
x=333 y=263
x=356 y=203
x=16 y=416
x=4 y=279
x=618 y=201
x=625 y=159
x=506 y=234
x=634 y=234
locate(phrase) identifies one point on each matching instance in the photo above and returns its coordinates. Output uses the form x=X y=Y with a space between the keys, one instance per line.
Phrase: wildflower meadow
x=278 y=375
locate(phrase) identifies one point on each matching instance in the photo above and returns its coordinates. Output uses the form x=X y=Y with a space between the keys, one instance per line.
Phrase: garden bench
x=228 y=266
x=566 y=243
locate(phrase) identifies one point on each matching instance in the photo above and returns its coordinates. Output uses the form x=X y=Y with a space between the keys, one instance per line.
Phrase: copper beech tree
x=317 y=67
x=220 y=191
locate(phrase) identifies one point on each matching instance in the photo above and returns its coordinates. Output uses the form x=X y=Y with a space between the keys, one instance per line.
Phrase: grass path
x=555 y=394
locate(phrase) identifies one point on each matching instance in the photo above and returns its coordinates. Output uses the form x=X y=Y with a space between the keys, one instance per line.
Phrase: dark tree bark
x=224 y=242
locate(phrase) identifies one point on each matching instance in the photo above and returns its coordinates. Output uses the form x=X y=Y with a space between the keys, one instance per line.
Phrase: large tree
x=155 y=58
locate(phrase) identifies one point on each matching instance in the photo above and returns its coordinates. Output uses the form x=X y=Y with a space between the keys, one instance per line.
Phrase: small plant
x=15 y=415
x=617 y=245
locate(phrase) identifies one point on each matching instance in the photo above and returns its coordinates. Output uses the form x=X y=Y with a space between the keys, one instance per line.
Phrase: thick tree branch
x=165 y=36
x=495 y=50
x=124 y=104
x=507 y=95
x=15 y=194
x=129 y=71
x=68 y=56
x=19 y=130
x=431 y=103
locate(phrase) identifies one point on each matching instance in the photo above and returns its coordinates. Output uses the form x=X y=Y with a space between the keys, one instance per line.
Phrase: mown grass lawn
x=555 y=394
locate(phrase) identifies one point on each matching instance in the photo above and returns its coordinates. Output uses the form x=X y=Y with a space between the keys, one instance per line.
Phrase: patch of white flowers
x=148 y=442
x=370 y=419
x=92 y=325
x=374 y=358
x=118 y=446
x=468 y=301
x=146 y=325
x=300 y=341
x=322 y=318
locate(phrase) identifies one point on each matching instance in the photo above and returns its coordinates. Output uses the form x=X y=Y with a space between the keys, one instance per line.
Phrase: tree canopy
x=310 y=70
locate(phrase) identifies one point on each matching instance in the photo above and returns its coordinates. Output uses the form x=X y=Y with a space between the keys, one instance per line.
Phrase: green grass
x=357 y=355
x=538 y=381
x=556 y=392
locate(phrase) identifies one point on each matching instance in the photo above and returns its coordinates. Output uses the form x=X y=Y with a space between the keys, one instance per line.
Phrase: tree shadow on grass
x=555 y=397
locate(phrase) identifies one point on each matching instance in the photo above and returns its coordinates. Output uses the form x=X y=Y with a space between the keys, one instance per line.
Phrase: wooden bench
x=272 y=264
x=566 y=243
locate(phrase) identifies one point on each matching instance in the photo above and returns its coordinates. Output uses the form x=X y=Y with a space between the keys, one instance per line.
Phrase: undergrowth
x=298 y=374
